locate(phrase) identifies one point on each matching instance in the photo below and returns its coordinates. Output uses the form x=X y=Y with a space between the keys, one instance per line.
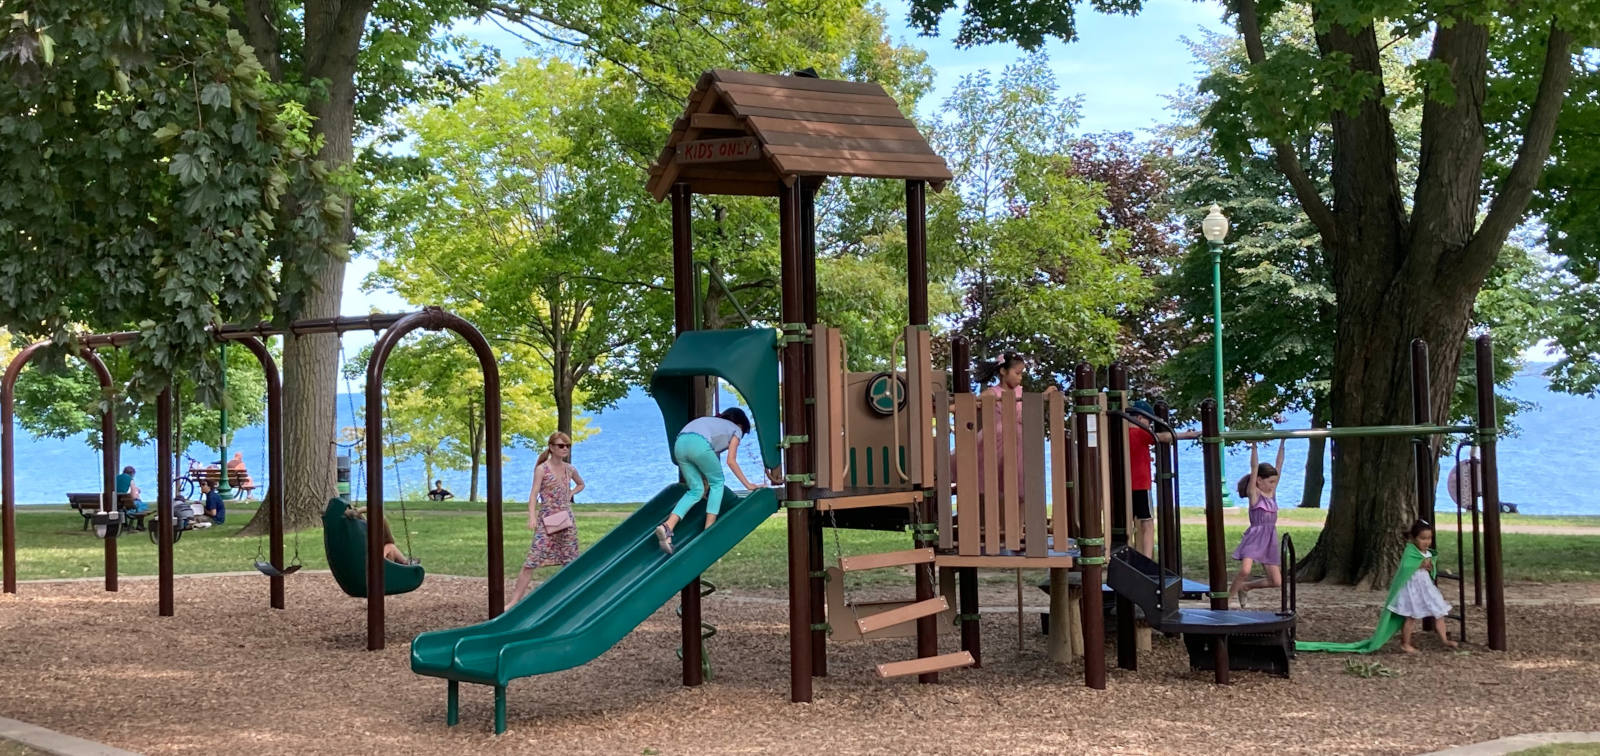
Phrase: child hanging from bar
x=1260 y=541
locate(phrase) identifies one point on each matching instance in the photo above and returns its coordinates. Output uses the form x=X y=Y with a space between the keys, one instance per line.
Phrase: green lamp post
x=1215 y=229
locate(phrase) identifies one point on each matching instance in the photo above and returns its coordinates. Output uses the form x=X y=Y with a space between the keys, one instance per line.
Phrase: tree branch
x=1517 y=189
x=1283 y=153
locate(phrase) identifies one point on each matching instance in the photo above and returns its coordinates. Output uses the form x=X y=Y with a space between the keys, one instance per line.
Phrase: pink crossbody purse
x=558 y=521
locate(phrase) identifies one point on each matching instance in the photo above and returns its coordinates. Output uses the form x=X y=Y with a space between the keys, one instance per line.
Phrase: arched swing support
x=433 y=319
x=274 y=498
x=8 y=466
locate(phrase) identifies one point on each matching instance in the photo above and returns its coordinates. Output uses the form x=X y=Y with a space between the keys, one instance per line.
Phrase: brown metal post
x=1216 y=568
x=1171 y=554
x=808 y=307
x=8 y=464
x=164 y=523
x=1092 y=539
x=1117 y=445
x=794 y=415
x=1494 y=575
x=966 y=577
x=432 y=318
x=917 y=299
x=273 y=501
x=109 y=452
x=683 y=298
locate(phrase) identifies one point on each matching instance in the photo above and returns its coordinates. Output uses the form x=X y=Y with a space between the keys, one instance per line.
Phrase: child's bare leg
x=1273 y=579
x=1238 y=588
x=672 y=522
x=1406 y=628
x=523 y=578
x=1444 y=637
x=710 y=518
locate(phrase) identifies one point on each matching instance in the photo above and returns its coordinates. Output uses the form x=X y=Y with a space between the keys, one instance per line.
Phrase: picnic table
x=88 y=504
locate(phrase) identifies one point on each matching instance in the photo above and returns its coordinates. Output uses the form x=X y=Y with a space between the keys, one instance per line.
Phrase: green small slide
x=589 y=605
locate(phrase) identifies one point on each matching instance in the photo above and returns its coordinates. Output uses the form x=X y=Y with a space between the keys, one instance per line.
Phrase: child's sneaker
x=664 y=538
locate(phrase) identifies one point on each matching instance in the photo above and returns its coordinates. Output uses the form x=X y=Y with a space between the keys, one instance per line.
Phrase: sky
x=1121 y=66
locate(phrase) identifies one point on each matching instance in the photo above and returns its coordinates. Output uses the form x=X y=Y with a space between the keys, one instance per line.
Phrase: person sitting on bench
x=439 y=493
x=125 y=486
x=237 y=469
x=213 y=503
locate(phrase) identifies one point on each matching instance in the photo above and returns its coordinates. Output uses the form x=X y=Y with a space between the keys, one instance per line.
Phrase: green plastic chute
x=746 y=358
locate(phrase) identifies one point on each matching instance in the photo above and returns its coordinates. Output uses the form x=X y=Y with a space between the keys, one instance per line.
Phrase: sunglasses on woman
x=562 y=446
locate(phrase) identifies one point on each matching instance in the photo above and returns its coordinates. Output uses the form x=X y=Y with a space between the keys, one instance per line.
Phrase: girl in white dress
x=1419 y=597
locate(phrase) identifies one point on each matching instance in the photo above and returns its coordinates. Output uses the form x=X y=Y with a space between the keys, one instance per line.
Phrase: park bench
x=238 y=479
x=88 y=504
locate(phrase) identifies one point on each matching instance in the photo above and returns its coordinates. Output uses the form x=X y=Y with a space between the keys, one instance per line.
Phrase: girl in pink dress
x=1006 y=371
x=1260 y=541
x=555 y=532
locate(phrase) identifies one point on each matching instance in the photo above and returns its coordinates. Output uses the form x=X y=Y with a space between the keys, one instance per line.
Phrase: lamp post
x=1215 y=229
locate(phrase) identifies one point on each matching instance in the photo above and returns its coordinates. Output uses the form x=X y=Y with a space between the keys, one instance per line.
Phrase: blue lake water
x=626 y=458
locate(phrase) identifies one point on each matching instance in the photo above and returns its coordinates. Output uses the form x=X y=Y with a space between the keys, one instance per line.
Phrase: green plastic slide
x=589 y=605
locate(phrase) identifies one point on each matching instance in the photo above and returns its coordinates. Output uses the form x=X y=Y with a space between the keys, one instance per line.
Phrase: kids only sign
x=719 y=150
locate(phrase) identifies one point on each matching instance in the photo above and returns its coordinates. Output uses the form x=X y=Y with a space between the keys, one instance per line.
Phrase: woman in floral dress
x=555 y=532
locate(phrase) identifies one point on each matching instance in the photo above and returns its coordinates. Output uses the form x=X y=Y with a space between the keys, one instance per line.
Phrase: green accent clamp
x=1165 y=476
x=787 y=440
x=804 y=479
x=1210 y=439
x=960 y=618
x=1091 y=541
x=1091 y=561
x=1219 y=594
x=819 y=574
x=798 y=503
x=1086 y=392
x=823 y=626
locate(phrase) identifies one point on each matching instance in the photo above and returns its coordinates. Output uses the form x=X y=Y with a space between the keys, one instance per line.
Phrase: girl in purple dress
x=1260 y=541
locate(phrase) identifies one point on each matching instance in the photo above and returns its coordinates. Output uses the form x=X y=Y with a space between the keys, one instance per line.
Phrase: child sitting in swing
x=391 y=552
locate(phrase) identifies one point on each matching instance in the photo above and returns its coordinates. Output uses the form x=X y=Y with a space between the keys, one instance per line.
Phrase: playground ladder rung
x=929 y=664
x=886 y=559
x=905 y=613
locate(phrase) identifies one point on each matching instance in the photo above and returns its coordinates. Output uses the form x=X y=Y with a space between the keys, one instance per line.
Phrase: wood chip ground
x=227 y=675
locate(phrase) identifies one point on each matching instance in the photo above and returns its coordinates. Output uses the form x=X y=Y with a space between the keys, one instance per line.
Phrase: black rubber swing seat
x=267 y=569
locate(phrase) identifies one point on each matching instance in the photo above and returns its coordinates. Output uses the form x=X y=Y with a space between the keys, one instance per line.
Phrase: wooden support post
x=1121 y=523
x=917 y=298
x=1090 y=424
x=684 y=288
x=1216 y=568
x=794 y=413
x=1060 y=640
x=163 y=513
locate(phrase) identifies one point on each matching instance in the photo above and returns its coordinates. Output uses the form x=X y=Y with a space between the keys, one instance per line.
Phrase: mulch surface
x=227 y=675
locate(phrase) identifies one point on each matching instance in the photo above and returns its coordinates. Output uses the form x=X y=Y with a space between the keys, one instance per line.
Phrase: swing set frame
x=394 y=326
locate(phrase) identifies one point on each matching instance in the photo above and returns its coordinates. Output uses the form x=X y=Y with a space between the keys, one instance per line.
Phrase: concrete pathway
x=1518 y=743
x=52 y=742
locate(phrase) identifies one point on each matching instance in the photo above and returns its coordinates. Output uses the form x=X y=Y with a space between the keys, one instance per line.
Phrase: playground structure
x=394 y=327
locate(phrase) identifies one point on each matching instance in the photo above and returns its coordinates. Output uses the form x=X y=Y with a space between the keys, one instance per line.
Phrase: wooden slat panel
x=795 y=115
x=924 y=342
x=905 y=613
x=918 y=403
x=779 y=90
x=930 y=664
x=823 y=433
x=822 y=166
x=756 y=171
x=770 y=127
x=802 y=83
x=887 y=499
x=836 y=410
x=886 y=559
x=784 y=151
x=968 y=512
x=806 y=106
x=891 y=149
x=718 y=121
x=941 y=466
x=1059 y=448
x=990 y=493
x=1036 y=536
x=1003 y=562
x=1011 y=518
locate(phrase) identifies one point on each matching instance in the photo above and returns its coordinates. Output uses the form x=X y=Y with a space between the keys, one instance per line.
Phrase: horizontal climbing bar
x=1354 y=431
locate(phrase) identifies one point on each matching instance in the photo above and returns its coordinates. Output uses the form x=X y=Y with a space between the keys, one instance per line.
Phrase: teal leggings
x=701 y=469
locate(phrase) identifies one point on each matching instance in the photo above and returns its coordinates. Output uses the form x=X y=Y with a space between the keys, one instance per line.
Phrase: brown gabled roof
x=802 y=127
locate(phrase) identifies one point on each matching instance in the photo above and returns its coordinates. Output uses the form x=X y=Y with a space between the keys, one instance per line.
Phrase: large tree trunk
x=1311 y=493
x=310 y=363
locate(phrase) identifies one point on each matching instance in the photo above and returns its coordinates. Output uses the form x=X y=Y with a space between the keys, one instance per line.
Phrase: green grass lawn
x=1446 y=517
x=448 y=540
x=1562 y=749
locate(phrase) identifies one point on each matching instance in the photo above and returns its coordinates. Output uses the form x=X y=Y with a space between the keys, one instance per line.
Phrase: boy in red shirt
x=1139 y=445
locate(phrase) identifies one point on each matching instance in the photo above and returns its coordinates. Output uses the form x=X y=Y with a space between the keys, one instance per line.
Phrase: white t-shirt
x=716 y=430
